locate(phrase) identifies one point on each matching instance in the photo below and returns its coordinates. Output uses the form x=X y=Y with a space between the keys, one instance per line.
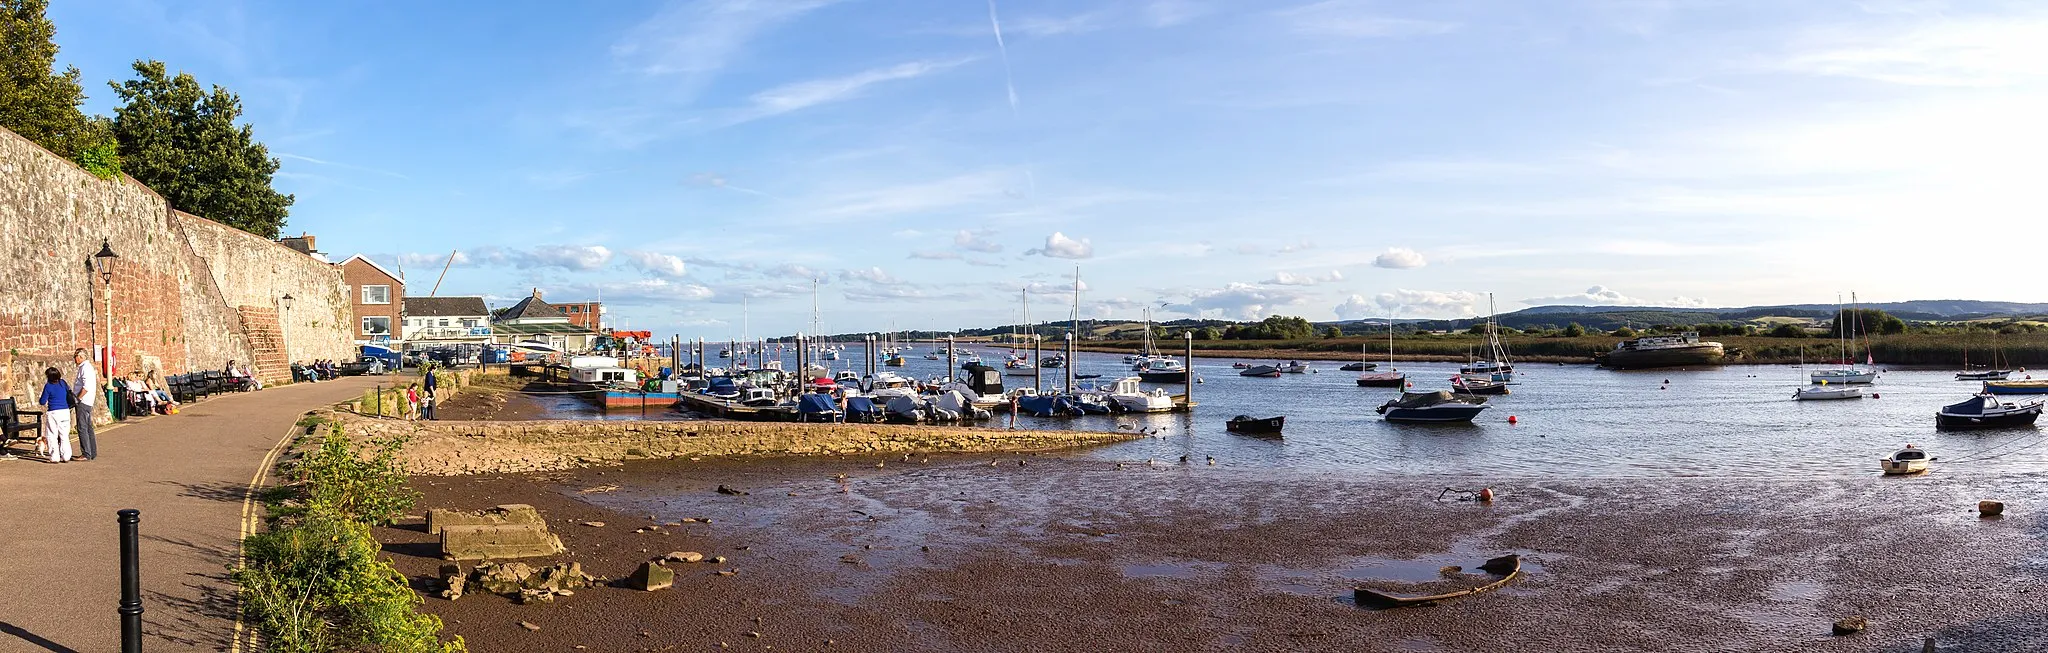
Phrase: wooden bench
x=11 y=423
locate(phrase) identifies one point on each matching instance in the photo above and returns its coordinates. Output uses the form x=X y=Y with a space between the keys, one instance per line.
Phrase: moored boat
x=1262 y=371
x=1294 y=367
x=1163 y=370
x=1986 y=410
x=2020 y=387
x=1984 y=375
x=1357 y=367
x=1475 y=386
x=1910 y=460
x=1663 y=351
x=1438 y=406
x=1130 y=398
x=1844 y=376
x=1382 y=380
x=1828 y=392
x=1248 y=424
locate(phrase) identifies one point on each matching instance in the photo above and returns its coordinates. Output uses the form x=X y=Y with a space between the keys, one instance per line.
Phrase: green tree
x=1624 y=332
x=1208 y=333
x=182 y=141
x=1333 y=332
x=1574 y=330
x=1863 y=321
x=42 y=105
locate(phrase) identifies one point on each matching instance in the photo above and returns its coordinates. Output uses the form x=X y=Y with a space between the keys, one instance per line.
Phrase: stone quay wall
x=455 y=448
x=168 y=304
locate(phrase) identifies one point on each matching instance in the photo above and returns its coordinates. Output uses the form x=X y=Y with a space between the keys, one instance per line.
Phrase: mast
x=1073 y=330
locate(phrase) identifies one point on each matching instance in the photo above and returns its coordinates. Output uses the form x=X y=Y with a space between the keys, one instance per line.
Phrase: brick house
x=378 y=297
x=588 y=315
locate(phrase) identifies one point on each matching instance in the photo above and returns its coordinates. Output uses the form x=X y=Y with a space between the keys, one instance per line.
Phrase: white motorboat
x=1293 y=367
x=1844 y=376
x=1128 y=395
x=1910 y=460
x=1828 y=392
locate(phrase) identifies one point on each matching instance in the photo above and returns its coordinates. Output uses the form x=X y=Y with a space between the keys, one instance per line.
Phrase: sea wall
x=168 y=308
x=454 y=448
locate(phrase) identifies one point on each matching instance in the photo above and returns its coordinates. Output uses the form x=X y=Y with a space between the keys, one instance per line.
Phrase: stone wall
x=452 y=448
x=170 y=311
x=253 y=274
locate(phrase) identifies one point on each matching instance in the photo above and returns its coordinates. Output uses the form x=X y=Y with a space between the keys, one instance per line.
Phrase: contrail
x=1009 y=81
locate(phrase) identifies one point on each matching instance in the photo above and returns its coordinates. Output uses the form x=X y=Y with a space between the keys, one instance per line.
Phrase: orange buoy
x=1486 y=495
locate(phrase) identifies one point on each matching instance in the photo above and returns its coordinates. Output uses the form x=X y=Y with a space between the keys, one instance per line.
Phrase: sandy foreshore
x=958 y=554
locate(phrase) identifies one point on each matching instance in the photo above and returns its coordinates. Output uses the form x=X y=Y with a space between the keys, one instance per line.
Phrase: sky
x=708 y=167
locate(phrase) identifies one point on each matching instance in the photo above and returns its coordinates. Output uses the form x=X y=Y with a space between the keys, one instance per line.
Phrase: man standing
x=427 y=402
x=87 y=388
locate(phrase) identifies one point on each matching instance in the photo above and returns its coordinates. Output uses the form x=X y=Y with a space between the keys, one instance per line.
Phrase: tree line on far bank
x=170 y=133
x=1846 y=323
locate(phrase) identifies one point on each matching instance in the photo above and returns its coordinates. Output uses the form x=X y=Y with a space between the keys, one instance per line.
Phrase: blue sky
x=1229 y=159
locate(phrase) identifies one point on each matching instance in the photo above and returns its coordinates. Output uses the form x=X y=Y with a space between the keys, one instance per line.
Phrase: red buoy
x=1511 y=419
x=1486 y=495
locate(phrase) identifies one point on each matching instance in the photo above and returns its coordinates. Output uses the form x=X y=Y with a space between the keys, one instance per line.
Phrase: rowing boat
x=1507 y=567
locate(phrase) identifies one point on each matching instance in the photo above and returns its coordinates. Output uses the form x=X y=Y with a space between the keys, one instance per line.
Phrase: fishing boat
x=1261 y=371
x=1823 y=392
x=1255 y=425
x=1663 y=351
x=1495 y=367
x=1356 y=367
x=1910 y=460
x=1129 y=397
x=1986 y=410
x=2019 y=387
x=1439 y=407
x=1475 y=386
x=1387 y=379
x=1293 y=367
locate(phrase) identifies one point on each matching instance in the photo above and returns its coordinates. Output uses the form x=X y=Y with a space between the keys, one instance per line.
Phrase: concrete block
x=511 y=513
x=498 y=542
x=652 y=576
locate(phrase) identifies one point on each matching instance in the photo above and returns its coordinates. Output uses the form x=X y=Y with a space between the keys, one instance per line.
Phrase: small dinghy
x=1264 y=371
x=1910 y=460
x=1255 y=425
x=1241 y=365
x=1986 y=375
x=1988 y=411
x=1506 y=568
x=1439 y=407
x=1357 y=367
x=1476 y=386
x=1828 y=392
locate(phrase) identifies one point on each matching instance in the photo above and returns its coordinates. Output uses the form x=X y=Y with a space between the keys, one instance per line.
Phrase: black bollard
x=131 y=582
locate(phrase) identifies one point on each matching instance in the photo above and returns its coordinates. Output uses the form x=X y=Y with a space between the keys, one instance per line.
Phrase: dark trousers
x=87 y=447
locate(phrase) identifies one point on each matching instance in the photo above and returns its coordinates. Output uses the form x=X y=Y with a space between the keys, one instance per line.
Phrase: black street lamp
x=103 y=262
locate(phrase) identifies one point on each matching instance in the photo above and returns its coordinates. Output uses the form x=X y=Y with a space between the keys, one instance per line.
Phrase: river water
x=1572 y=421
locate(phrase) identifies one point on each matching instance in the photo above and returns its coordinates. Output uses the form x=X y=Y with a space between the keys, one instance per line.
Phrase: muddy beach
x=1058 y=553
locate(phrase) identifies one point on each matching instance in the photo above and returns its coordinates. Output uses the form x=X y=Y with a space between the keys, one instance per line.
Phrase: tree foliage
x=1862 y=321
x=182 y=140
x=1276 y=327
x=1574 y=330
x=42 y=105
x=1788 y=331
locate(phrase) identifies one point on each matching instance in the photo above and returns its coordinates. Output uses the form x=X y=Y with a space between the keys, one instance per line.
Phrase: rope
x=1988 y=454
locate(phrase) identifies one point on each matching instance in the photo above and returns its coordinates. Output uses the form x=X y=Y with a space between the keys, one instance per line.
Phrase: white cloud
x=902 y=293
x=1352 y=19
x=1238 y=300
x=1103 y=308
x=976 y=241
x=1289 y=279
x=795 y=271
x=1604 y=296
x=567 y=257
x=873 y=275
x=1983 y=52
x=1428 y=303
x=1058 y=245
x=1355 y=307
x=656 y=263
x=805 y=94
x=649 y=292
x=1399 y=258
x=936 y=255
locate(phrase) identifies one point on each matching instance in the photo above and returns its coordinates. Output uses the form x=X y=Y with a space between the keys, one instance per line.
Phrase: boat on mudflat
x=1663 y=351
x=2020 y=387
x=1988 y=411
x=1910 y=460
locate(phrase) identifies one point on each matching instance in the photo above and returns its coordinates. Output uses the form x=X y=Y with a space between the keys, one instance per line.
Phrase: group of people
x=318 y=370
x=419 y=402
x=66 y=405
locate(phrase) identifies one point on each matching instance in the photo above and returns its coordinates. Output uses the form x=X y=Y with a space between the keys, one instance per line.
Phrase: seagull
x=1183 y=459
x=1212 y=460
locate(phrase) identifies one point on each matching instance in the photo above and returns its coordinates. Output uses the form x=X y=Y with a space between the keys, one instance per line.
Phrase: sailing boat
x=1154 y=368
x=1997 y=373
x=1848 y=372
x=1390 y=378
x=1018 y=365
x=1495 y=368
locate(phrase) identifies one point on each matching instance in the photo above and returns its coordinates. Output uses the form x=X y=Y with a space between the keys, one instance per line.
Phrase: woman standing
x=57 y=402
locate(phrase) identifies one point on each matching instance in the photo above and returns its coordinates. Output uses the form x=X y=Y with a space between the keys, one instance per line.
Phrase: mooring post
x=950 y=365
x=380 y=400
x=1070 y=361
x=1037 y=363
x=131 y=581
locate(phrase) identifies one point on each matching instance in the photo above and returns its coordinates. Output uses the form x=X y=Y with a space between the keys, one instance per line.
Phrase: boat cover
x=905 y=406
x=862 y=406
x=722 y=386
x=816 y=404
x=953 y=401
x=1427 y=399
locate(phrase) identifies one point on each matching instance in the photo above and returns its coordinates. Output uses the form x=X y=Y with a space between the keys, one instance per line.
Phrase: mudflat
x=1041 y=553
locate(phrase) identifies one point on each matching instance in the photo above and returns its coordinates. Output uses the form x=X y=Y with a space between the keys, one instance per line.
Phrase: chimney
x=536 y=293
x=309 y=242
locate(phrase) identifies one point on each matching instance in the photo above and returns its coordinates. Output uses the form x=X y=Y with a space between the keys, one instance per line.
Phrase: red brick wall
x=584 y=314
x=356 y=274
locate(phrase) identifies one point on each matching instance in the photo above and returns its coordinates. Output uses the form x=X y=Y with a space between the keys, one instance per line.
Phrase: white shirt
x=87 y=382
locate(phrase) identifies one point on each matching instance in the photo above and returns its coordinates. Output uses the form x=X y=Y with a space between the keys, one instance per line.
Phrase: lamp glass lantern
x=103 y=262
x=285 y=301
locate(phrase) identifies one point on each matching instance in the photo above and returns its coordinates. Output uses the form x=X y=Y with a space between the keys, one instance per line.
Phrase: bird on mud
x=1212 y=460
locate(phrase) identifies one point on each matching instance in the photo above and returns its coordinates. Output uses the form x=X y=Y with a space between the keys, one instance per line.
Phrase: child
x=57 y=402
x=412 y=401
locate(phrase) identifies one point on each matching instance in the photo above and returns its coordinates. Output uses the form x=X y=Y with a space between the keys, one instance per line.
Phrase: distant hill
x=1613 y=317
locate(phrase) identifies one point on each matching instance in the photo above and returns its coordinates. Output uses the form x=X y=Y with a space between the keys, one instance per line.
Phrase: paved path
x=189 y=474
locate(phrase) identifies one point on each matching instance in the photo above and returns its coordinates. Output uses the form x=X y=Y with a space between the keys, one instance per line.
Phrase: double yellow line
x=252 y=520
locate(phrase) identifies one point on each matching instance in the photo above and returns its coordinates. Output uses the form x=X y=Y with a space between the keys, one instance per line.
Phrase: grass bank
x=1937 y=349
x=313 y=581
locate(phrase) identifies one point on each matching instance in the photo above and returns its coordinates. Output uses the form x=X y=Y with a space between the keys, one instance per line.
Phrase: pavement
x=191 y=475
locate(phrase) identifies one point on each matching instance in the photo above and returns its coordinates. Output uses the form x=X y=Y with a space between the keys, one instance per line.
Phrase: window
x=471 y=323
x=377 y=325
x=377 y=295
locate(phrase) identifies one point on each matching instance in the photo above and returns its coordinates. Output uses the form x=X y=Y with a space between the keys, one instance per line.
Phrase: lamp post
x=103 y=263
x=284 y=327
